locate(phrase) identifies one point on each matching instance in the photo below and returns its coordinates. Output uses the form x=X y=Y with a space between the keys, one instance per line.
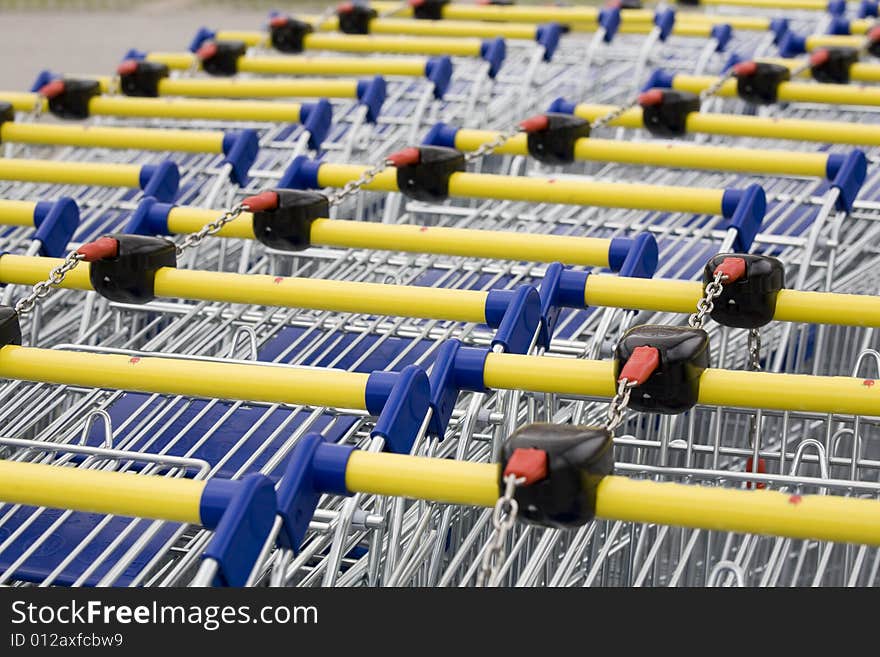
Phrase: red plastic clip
x=527 y=463
x=643 y=362
x=345 y=8
x=535 y=123
x=279 y=21
x=819 y=57
x=127 y=67
x=52 y=89
x=651 y=97
x=416 y=3
x=874 y=33
x=762 y=469
x=262 y=202
x=732 y=268
x=746 y=68
x=207 y=51
x=103 y=247
x=406 y=157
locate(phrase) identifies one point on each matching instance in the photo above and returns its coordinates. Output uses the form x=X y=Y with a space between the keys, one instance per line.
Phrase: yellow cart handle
x=580 y=19
x=439 y=240
x=673 y=296
x=657 y=295
x=160 y=180
x=100 y=491
x=180 y=376
x=858 y=72
x=546 y=190
x=168 y=108
x=150 y=139
x=834 y=94
x=302 y=65
x=245 y=88
x=684 y=155
x=829 y=132
x=336 y=388
x=816 y=517
x=781 y=392
x=17 y=213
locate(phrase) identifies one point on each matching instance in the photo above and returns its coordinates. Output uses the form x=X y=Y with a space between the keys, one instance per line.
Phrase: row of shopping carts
x=441 y=294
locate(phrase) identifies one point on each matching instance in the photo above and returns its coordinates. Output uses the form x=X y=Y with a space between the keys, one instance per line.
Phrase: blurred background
x=90 y=36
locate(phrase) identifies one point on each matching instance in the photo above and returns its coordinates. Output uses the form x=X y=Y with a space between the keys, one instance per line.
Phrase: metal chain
x=616 y=113
x=618 y=405
x=707 y=303
x=484 y=149
x=715 y=87
x=37 y=111
x=42 y=289
x=503 y=518
x=352 y=186
x=212 y=228
x=755 y=350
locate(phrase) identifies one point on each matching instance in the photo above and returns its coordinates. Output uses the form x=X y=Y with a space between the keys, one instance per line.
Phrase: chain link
x=212 y=228
x=42 y=289
x=716 y=86
x=352 y=186
x=707 y=303
x=484 y=149
x=755 y=350
x=614 y=114
x=503 y=518
x=618 y=405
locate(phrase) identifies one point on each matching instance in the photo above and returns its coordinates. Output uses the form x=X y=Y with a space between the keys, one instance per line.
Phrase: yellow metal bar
x=176 y=61
x=248 y=37
x=816 y=41
x=336 y=175
x=659 y=295
x=783 y=392
x=23 y=101
x=830 y=132
x=316 y=294
x=151 y=139
x=101 y=491
x=841 y=94
x=818 y=517
x=460 y=47
x=809 y=5
x=576 y=192
x=256 y=88
x=175 y=108
x=580 y=19
x=179 y=376
x=861 y=26
x=182 y=219
x=17 y=213
x=662 y=295
x=479 y=29
x=441 y=480
x=616 y=292
x=858 y=72
x=402 y=66
x=70 y=173
x=572 y=250
x=825 y=308
x=548 y=190
x=501 y=245
x=28 y=270
x=691 y=156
